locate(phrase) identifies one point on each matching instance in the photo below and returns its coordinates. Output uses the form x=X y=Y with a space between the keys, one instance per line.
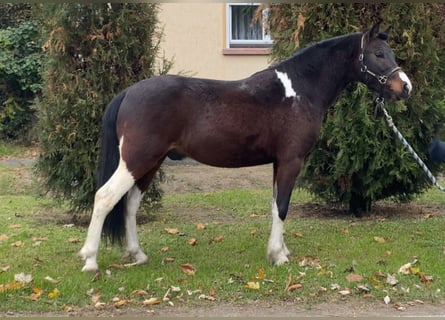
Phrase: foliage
x=93 y=51
x=357 y=159
x=20 y=80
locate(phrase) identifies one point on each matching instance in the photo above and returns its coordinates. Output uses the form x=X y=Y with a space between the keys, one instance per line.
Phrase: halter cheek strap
x=382 y=78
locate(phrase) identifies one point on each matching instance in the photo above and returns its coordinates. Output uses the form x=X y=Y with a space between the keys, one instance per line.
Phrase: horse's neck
x=326 y=67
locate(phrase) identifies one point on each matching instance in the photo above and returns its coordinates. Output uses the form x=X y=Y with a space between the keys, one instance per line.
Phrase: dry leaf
x=165 y=249
x=381 y=239
x=5 y=268
x=24 y=278
x=15 y=285
x=18 y=244
x=171 y=230
x=309 y=261
x=49 y=279
x=294 y=287
x=151 y=301
x=254 y=285
x=188 y=269
x=391 y=280
x=205 y=297
x=73 y=240
x=3 y=237
x=39 y=238
x=354 y=277
x=298 y=235
x=345 y=292
x=139 y=293
x=193 y=242
x=168 y=259
x=219 y=238
x=116 y=266
x=14 y=226
x=53 y=294
x=200 y=226
x=35 y=295
x=405 y=269
x=387 y=299
x=120 y=303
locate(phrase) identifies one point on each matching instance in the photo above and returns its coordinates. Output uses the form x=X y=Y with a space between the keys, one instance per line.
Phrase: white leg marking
x=277 y=252
x=404 y=78
x=105 y=199
x=133 y=250
x=289 y=91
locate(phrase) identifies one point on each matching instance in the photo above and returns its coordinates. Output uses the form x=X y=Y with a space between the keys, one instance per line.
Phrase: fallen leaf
x=192 y=242
x=139 y=293
x=354 y=277
x=387 y=299
x=260 y=275
x=49 y=279
x=171 y=230
x=200 y=226
x=53 y=294
x=391 y=280
x=381 y=239
x=254 y=285
x=345 y=292
x=405 y=268
x=120 y=303
x=165 y=249
x=15 y=285
x=22 y=277
x=188 y=269
x=309 y=261
x=3 y=237
x=5 y=268
x=73 y=240
x=14 y=226
x=35 y=295
x=298 y=235
x=116 y=266
x=399 y=307
x=39 y=238
x=363 y=288
x=335 y=286
x=294 y=287
x=18 y=244
x=219 y=238
x=151 y=301
x=168 y=259
x=206 y=297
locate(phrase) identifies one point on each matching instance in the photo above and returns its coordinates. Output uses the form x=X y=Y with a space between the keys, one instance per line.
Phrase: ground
x=191 y=177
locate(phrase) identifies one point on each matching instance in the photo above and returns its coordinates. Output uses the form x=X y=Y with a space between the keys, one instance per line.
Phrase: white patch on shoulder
x=289 y=91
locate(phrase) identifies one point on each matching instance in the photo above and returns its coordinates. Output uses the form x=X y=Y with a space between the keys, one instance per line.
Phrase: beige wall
x=194 y=36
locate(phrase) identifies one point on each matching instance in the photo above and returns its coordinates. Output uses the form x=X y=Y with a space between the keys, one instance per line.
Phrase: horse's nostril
x=406 y=89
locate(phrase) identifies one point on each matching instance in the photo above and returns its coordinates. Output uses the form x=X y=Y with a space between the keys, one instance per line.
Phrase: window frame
x=245 y=46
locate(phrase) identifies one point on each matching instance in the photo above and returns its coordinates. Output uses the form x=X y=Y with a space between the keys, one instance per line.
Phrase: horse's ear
x=374 y=30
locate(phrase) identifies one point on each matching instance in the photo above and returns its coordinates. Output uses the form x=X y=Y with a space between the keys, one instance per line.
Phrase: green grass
x=343 y=245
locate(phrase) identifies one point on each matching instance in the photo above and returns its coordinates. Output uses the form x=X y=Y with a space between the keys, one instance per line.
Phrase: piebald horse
x=273 y=116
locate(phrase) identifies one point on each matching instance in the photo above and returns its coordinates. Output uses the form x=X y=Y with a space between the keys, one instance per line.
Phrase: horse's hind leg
x=133 y=250
x=134 y=198
x=105 y=199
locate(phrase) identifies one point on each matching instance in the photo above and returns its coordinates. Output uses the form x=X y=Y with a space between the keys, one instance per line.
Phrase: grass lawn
x=206 y=248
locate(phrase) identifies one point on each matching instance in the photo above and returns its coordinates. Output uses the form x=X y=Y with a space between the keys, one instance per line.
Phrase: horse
x=273 y=116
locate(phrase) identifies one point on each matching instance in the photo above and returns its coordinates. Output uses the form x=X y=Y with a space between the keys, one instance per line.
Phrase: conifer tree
x=93 y=51
x=358 y=160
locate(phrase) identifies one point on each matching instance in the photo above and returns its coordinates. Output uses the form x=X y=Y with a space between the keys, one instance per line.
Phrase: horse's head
x=378 y=67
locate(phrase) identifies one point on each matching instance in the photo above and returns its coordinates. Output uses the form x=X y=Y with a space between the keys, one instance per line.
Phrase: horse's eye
x=379 y=54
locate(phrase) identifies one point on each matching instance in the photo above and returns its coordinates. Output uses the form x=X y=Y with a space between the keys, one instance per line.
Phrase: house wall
x=194 y=36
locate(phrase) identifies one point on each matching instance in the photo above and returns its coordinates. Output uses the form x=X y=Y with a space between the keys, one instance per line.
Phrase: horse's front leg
x=284 y=180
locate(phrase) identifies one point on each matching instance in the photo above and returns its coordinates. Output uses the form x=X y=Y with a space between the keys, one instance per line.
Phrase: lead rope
x=380 y=104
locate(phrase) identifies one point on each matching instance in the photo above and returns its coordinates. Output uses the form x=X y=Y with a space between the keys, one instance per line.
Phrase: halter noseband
x=382 y=78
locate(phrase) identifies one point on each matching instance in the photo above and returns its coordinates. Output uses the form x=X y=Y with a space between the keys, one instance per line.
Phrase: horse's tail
x=114 y=225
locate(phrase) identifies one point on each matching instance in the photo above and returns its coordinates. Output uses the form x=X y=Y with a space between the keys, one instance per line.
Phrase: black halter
x=382 y=78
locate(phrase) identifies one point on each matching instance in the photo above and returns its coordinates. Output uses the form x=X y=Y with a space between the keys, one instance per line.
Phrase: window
x=244 y=32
